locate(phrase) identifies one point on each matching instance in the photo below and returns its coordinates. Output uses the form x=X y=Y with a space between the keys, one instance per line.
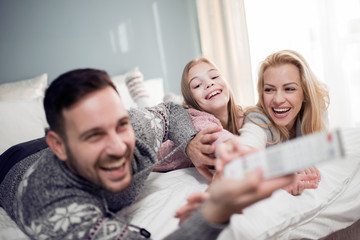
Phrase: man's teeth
x=214 y=93
x=113 y=165
x=281 y=110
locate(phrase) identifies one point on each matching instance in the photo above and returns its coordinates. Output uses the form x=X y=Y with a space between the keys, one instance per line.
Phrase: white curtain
x=224 y=40
x=326 y=33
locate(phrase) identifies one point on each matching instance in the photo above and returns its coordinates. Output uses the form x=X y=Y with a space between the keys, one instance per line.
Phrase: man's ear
x=57 y=145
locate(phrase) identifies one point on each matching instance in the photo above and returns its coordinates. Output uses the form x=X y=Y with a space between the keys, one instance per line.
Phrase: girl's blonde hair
x=316 y=96
x=189 y=100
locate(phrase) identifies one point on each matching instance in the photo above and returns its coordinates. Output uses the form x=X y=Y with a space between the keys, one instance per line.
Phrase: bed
x=330 y=212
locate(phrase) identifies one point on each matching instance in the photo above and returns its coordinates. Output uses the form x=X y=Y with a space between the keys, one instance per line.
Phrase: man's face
x=100 y=140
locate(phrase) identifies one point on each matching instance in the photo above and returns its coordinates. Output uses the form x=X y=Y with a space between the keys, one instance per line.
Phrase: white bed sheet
x=315 y=214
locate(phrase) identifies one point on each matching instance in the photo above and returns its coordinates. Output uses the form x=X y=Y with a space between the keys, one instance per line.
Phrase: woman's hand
x=305 y=179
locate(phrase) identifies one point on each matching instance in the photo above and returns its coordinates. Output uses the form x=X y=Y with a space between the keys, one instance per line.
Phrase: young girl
x=210 y=102
x=292 y=102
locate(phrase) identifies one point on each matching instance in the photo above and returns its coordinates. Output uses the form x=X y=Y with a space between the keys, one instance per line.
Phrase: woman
x=292 y=103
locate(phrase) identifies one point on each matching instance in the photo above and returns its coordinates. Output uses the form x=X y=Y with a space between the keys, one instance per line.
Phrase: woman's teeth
x=281 y=110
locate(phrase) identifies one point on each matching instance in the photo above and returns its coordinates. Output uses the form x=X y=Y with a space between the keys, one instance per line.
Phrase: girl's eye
x=195 y=85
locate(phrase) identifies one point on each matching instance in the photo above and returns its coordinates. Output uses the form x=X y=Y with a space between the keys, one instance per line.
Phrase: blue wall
x=39 y=36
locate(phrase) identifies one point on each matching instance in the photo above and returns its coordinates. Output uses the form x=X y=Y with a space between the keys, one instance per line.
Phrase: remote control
x=289 y=157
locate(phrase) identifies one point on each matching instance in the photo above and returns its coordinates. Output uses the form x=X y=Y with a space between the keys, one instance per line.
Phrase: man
x=98 y=160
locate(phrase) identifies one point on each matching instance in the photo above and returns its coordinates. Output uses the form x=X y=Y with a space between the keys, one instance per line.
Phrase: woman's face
x=283 y=94
x=208 y=88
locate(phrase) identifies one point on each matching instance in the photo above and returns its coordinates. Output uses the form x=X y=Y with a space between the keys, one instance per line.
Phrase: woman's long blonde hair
x=316 y=95
x=189 y=100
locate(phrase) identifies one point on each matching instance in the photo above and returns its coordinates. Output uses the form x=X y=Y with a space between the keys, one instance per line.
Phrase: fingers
x=206 y=149
x=210 y=130
x=305 y=179
x=314 y=171
x=205 y=171
x=271 y=185
x=200 y=150
x=198 y=197
x=194 y=202
x=209 y=135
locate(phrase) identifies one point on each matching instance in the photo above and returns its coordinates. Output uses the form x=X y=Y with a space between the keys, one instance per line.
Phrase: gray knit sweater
x=47 y=201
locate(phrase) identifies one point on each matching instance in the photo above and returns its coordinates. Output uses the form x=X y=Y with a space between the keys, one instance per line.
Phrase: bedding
x=315 y=214
x=28 y=89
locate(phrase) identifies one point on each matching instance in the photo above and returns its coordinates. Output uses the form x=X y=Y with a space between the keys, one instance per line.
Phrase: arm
x=255 y=133
x=252 y=134
x=210 y=135
x=226 y=197
x=166 y=121
x=200 y=150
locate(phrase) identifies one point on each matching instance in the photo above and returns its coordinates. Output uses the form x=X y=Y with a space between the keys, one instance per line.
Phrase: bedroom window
x=238 y=34
x=326 y=32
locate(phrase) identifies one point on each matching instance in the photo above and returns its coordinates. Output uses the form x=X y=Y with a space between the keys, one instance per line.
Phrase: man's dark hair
x=68 y=89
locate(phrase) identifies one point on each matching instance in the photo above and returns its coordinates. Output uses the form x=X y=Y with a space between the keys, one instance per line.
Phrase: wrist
x=215 y=213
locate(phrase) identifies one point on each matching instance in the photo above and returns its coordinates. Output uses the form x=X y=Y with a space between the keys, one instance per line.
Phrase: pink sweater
x=201 y=120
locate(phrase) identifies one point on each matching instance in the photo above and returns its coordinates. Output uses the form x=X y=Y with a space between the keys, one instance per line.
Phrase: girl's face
x=208 y=88
x=283 y=94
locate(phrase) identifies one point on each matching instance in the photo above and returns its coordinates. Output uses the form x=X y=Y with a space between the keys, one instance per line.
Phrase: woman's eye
x=268 y=90
x=215 y=77
x=290 y=89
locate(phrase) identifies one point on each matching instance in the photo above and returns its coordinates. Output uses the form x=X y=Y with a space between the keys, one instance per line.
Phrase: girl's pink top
x=201 y=120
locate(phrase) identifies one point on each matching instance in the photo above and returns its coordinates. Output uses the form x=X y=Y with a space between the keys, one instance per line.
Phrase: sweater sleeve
x=256 y=131
x=196 y=227
x=166 y=121
x=203 y=120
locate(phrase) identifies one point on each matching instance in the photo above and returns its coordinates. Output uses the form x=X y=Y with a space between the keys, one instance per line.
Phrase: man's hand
x=193 y=203
x=229 y=150
x=229 y=196
x=201 y=151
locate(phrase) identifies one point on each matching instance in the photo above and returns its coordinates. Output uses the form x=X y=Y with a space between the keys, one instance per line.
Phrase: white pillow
x=21 y=121
x=28 y=89
x=155 y=87
x=119 y=81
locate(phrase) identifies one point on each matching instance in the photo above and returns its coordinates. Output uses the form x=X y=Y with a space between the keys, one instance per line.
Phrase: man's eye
x=93 y=136
x=123 y=124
